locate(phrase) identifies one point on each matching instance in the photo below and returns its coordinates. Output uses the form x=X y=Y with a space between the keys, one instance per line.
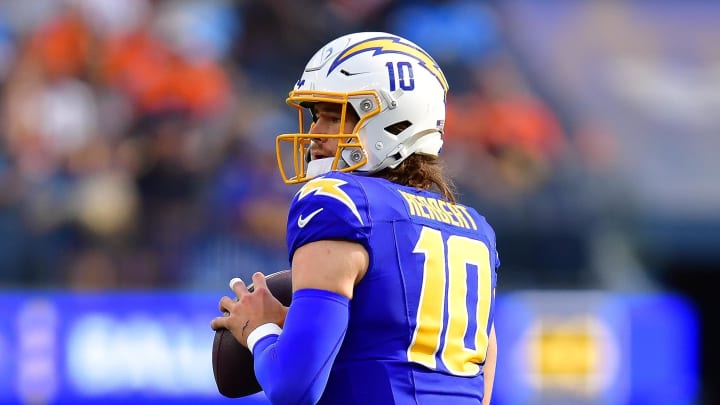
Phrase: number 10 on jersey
x=445 y=290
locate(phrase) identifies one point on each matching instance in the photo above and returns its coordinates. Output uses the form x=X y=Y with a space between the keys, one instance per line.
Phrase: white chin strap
x=319 y=166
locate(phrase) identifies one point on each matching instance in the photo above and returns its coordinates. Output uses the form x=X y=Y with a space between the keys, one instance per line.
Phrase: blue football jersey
x=421 y=316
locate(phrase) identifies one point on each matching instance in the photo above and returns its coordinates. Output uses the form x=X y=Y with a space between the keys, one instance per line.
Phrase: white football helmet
x=397 y=91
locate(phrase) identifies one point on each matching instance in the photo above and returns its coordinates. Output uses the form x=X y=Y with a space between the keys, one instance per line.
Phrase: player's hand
x=250 y=309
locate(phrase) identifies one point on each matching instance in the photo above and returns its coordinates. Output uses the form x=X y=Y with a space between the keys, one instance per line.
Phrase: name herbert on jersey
x=439 y=210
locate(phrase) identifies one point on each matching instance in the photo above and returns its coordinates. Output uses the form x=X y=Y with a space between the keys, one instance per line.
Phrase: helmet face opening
x=393 y=86
x=294 y=149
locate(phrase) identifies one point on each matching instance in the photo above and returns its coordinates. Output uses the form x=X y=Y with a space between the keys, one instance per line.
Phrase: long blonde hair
x=423 y=172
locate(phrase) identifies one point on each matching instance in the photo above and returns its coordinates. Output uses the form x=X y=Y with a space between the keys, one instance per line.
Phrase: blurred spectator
x=507 y=129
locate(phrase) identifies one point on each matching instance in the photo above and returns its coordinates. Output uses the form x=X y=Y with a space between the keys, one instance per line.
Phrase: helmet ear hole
x=398 y=127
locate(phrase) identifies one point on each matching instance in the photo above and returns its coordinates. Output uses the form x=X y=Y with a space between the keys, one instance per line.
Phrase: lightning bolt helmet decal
x=391 y=44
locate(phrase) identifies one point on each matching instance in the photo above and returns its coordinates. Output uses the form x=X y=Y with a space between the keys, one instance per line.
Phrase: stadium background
x=137 y=175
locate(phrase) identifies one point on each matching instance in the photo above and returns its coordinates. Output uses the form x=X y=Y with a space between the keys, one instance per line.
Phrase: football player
x=393 y=281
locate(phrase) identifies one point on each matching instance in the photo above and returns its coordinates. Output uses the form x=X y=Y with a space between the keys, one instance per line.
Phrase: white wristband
x=260 y=332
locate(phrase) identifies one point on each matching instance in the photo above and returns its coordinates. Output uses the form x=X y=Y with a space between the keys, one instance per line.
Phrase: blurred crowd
x=137 y=138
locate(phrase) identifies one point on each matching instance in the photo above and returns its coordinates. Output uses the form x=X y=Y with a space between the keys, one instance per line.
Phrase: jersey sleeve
x=333 y=207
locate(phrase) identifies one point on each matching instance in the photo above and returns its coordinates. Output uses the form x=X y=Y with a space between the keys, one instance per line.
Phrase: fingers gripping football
x=249 y=309
x=232 y=363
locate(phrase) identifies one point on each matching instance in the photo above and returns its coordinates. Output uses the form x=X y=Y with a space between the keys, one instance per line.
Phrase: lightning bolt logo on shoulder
x=329 y=188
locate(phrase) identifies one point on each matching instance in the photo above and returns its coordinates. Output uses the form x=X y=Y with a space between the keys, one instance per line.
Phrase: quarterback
x=393 y=280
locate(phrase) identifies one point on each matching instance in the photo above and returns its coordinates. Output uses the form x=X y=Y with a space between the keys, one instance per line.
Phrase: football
x=232 y=363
